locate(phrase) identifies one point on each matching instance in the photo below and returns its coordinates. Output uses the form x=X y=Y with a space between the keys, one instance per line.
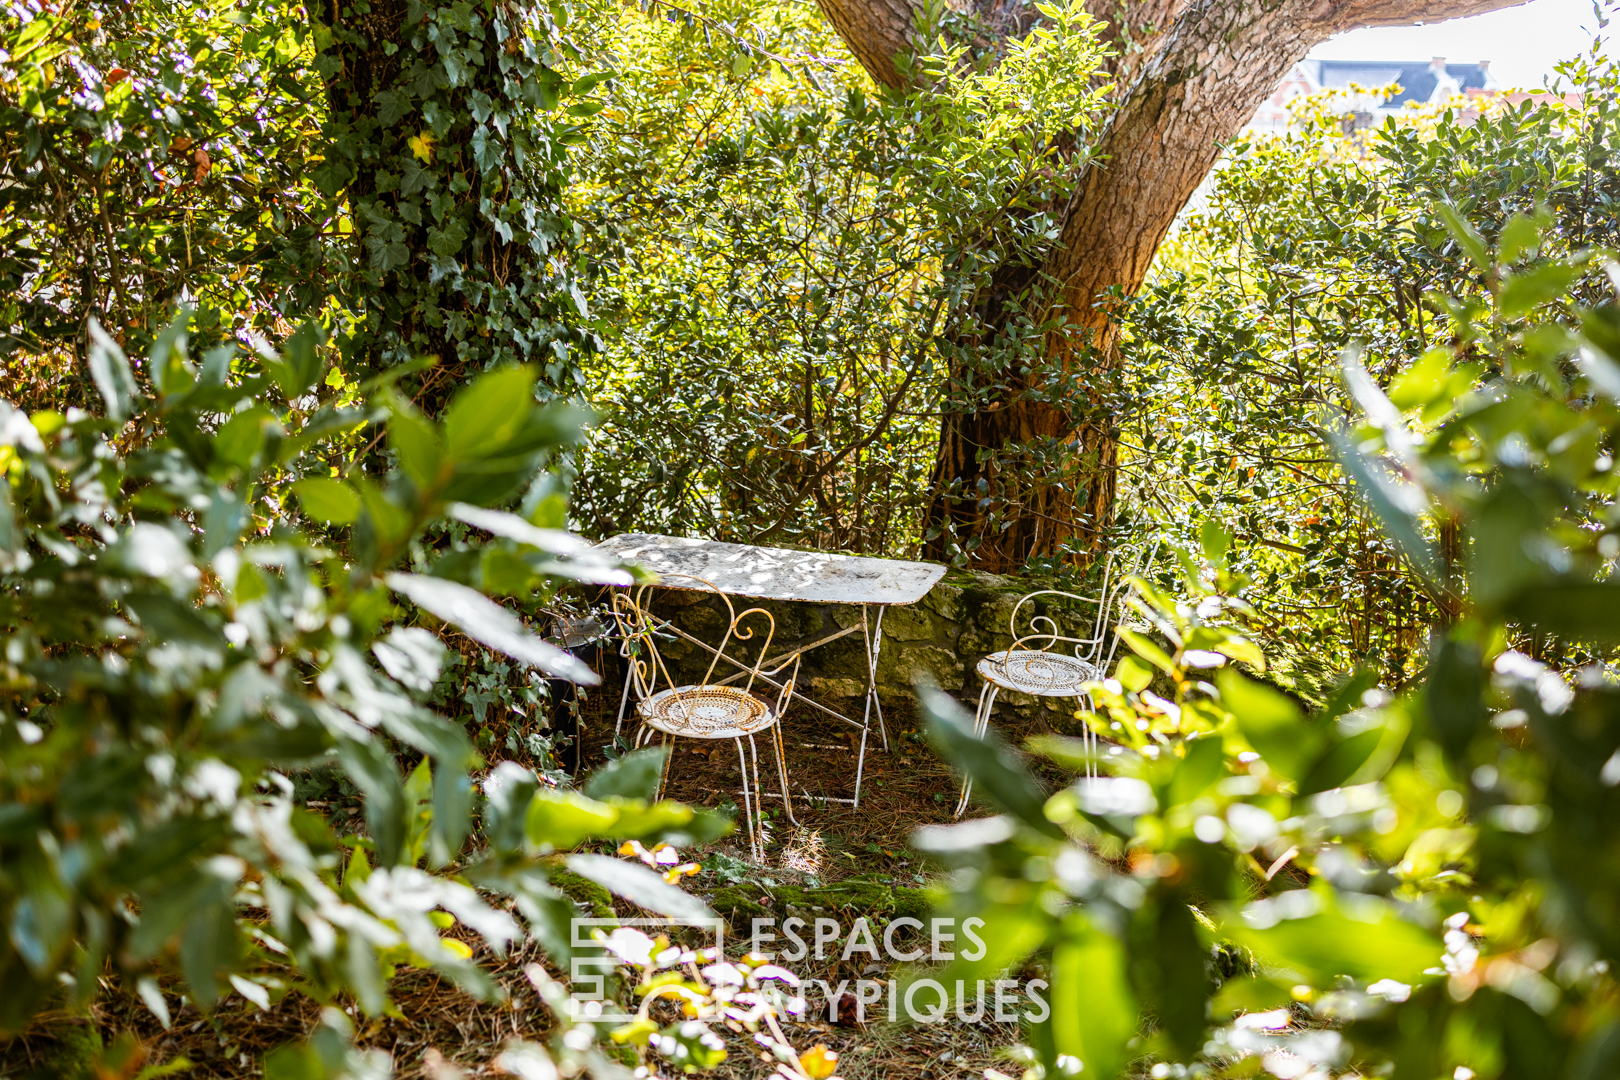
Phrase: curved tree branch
x=876 y=31
x=1195 y=70
x=1198 y=88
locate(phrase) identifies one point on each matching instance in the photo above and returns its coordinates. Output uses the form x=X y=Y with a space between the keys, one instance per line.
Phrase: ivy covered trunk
x=446 y=140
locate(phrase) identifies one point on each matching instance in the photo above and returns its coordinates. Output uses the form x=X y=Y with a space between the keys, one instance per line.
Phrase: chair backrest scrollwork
x=639 y=631
x=1097 y=649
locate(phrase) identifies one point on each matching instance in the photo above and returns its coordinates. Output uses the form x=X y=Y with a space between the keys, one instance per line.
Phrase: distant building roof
x=1432 y=83
x=1418 y=78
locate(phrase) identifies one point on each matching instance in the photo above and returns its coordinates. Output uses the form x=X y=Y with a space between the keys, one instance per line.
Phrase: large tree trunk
x=1194 y=72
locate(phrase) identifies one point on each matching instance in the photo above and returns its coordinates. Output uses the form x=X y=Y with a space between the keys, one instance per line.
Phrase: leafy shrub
x=1308 y=244
x=1423 y=880
x=396 y=169
x=205 y=591
x=795 y=272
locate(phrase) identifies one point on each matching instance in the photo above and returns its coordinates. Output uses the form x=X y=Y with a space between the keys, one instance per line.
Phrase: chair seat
x=1042 y=674
x=706 y=712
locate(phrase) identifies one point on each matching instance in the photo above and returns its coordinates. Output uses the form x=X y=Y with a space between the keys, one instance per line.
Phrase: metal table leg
x=873 y=637
x=874 y=647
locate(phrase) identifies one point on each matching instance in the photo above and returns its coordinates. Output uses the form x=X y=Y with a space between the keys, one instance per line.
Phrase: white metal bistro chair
x=1034 y=665
x=708 y=709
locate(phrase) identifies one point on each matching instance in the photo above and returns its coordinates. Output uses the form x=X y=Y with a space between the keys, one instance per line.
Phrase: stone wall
x=940 y=638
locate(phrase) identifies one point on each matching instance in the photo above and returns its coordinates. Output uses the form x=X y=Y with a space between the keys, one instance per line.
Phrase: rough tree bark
x=1191 y=73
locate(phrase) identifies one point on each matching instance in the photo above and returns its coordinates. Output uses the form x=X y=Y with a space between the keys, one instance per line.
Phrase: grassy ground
x=852 y=862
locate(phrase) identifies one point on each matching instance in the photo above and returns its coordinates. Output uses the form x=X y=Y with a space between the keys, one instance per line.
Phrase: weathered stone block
x=829 y=688
x=915 y=623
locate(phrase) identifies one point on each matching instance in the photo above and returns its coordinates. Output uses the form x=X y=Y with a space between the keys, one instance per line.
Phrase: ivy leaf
x=331 y=177
x=455 y=68
x=386 y=256
x=414 y=179
x=392 y=106
x=421 y=145
x=448 y=240
x=486 y=151
x=551 y=87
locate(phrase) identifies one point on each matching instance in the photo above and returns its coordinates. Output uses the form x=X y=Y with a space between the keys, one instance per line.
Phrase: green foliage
x=1315 y=242
x=1216 y=805
x=399 y=170
x=154 y=153
x=222 y=573
x=446 y=136
x=180 y=645
x=790 y=264
x=1424 y=881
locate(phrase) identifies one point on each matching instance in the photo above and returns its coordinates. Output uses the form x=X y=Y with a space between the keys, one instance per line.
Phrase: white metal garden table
x=818 y=577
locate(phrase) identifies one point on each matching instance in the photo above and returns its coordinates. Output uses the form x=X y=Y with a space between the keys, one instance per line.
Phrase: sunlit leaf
x=639 y=885
x=487 y=622
x=328 y=500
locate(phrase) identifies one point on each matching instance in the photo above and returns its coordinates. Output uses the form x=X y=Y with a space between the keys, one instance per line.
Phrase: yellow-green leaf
x=328 y=500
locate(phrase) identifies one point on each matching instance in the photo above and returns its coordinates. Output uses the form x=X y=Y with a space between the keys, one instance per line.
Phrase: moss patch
x=865 y=895
x=67 y=1051
x=584 y=892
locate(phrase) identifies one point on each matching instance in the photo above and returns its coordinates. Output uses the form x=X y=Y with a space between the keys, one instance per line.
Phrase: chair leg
x=981 y=724
x=1088 y=736
x=983 y=718
x=669 y=758
x=624 y=698
x=759 y=793
x=781 y=769
x=748 y=805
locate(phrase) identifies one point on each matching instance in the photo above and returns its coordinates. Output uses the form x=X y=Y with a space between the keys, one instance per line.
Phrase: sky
x=1522 y=43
